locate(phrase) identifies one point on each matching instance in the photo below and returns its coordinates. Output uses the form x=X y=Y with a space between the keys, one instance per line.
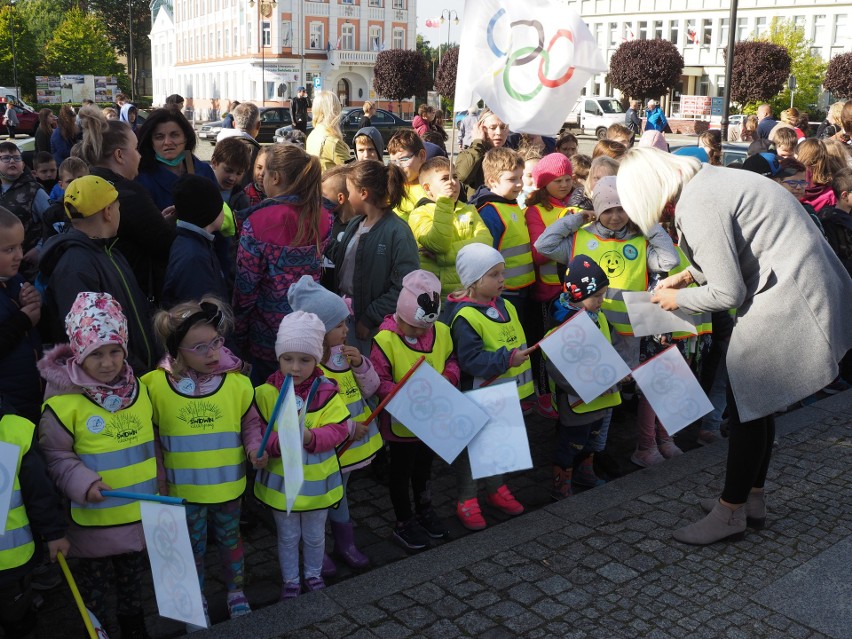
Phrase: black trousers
x=749 y=450
x=410 y=465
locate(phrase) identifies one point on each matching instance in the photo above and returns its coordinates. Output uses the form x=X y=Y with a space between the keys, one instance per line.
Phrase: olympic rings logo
x=529 y=54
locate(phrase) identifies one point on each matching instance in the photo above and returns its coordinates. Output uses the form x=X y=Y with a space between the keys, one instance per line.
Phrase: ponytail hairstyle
x=67 y=123
x=300 y=176
x=711 y=141
x=172 y=325
x=386 y=184
x=101 y=137
x=44 y=117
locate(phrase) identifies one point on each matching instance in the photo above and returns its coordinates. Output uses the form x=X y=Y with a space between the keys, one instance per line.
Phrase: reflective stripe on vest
x=515 y=246
x=117 y=446
x=607 y=400
x=625 y=263
x=496 y=334
x=401 y=358
x=16 y=544
x=548 y=273
x=323 y=485
x=200 y=435
x=703 y=321
x=361 y=449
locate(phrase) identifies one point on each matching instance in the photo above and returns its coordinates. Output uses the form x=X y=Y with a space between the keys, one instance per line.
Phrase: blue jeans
x=717 y=395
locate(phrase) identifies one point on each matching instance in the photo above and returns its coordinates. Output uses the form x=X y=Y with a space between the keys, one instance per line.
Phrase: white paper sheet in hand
x=648 y=318
x=172 y=564
x=8 y=470
x=502 y=446
x=437 y=412
x=290 y=439
x=583 y=355
x=672 y=390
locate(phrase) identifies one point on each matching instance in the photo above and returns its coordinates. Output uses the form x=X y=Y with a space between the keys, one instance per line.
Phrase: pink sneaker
x=470 y=515
x=648 y=457
x=669 y=449
x=290 y=590
x=544 y=407
x=505 y=501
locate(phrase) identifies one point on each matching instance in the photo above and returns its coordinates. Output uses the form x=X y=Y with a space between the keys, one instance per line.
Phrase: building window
x=799 y=22
x=643 y=30
x=658 y=29
x=614 y=34
x=597 y=28
x=286 y=34
x=398 y=38
x=704 y=85
x=706 y=33
x=720 y=86
x=760 y=26
x=266 y=33
x=840 y=24
x=675 y=31
x=227 y=41
x=742 y=29
x=376 y=43
x=399 y=4
x=218 y=43
x=724 y=31
x=692 y=36
x=818 y=31
x=347 y=37
x=317 y=36
x=236 y=42
x=375 y=3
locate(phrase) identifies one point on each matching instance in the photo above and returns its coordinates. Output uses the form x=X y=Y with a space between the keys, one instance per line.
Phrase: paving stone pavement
x=601 y=564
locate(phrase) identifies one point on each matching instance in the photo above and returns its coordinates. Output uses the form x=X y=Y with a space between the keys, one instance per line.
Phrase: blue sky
x=427 y=9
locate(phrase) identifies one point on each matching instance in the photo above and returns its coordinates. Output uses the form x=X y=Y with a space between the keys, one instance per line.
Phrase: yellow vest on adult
x=402 y=358
x=200 y=436
x=496 y=333
x=16 y=544
x=625 y=263
x=703 y=321
x=607 y=400
x=117 y=446
x=514 y=245
x=361 y=449
x=323 y=485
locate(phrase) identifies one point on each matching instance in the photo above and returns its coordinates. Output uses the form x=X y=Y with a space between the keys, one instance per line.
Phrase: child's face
x=490 y=285
x=104 y=364
x=560 y=187
x=357 y=198
x=409 y=162
x=568 y=148
x=11 y=250
x=65 y=178
x=508 y=184
x=529 y=181
x=201 y=347
x=441 y=184
x=796 y=184
x=599 y=172
x=226 y=175
x=11 y=165
x=337 y=335
x=364 y=149
x=411 y=331
x=299 y=366
x=614 y=219
x=46 y=171
x=594 y=302
x=259 y=165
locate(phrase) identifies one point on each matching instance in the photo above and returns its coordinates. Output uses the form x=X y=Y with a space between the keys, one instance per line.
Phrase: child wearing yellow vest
x=489 y=341
x=299 y=348
x=579 y=423
x=402 y=339
x=357 y=382
x=34 y=514
x=96 y=432
x=406 y=151
x=204 y=414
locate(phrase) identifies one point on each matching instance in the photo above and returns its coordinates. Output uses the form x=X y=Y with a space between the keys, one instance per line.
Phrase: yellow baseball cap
x=88 y=195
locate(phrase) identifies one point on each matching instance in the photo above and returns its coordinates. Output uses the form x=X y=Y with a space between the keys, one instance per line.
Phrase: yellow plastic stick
x=77 y=598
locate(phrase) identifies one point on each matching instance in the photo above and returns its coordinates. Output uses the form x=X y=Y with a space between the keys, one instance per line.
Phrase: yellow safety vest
x=200 y=437
x=625 y=263
x=323 y=485
x=402 y=358
x=514 y=245
x=362 y=449
x=497 y=333
x=117 y=446
x=704 y=321
x=549 y=273
x=16 y=545
x=607 y=400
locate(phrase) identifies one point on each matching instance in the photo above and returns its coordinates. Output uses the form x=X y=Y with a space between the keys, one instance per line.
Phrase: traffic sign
x=318 y=82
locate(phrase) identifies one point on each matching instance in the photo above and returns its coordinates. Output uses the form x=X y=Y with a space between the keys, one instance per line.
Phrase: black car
x=350 y=121
x=271 y=119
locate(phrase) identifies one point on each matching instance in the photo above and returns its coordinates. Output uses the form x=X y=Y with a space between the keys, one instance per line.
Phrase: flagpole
x=75 y=592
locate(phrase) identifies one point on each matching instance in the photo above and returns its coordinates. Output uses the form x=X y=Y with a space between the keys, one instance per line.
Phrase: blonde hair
x=167 y=322
x=834 y=112
x=838 y=154
x=812 y=153
x=785 y=138
x=648 y=179
x=790 y=116
x=326 y=110
x=301 y=177
x=499 y=160
x=609 y=164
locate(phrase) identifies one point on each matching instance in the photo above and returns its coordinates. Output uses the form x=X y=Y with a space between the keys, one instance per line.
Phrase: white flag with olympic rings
x=527 y=60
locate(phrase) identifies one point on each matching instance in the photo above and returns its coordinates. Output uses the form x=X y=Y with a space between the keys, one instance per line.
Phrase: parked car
x=27 y=116
x=595 y=113
x=271 y=119
x=350 y=121
x=733 y=153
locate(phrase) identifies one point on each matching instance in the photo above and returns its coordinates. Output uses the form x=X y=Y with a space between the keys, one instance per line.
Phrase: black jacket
x=20 y=348
x=299 y=109
x=194 y=269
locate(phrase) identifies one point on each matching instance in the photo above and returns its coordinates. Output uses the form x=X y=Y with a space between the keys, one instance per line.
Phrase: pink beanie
x=419 y=302
x=95 y=319
x=654 y=140
x=300 y=332
x=550 y=167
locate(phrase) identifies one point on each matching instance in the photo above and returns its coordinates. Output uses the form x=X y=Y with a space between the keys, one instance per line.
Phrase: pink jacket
x=420 y=125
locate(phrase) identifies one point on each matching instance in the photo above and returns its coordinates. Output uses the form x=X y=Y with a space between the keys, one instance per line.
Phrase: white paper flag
x=100 y=632
x=672 y=390
x=502 y=446
x=289 y=427
x=648 y=318
x=437 y=412
x=527 y=60
x=8 y=470
x=172 y=564
x=584 y=356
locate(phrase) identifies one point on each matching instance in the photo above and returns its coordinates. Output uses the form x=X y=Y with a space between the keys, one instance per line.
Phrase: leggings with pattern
x=224 y=523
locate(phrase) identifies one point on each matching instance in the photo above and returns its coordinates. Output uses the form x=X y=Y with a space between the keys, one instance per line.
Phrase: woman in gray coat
x=753 y=249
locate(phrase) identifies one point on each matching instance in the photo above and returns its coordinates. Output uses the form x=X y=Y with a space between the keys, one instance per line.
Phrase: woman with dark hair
x=166 y=143
x=66 y=135
x=46 y=120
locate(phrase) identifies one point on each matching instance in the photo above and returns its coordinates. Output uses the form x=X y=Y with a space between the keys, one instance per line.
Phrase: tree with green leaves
x=645 y=68
x=838 y=78
x=26 y=59
x=43 y=17
x=400 y=74
x=80 y=46
x=120 y=18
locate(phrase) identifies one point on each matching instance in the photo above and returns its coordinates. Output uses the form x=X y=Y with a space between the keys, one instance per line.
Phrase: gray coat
x=756 y=250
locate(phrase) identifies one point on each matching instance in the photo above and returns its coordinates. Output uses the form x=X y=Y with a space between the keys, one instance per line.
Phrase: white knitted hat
x=300 y=332
x=475 y=260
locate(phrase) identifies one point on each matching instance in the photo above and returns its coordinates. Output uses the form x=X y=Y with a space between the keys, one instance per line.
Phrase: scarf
x=115 y=396
x=228 y=363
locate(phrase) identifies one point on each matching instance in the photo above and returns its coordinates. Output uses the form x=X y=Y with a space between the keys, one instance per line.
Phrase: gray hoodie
x=375 y=136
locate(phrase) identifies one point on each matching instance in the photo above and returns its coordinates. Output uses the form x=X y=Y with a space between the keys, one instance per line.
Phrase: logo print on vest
x=508 y=335
x=112 y=403
x=339 y=360
x=95 y=424
x=592 y=245
x=299 y=403
x=186 y=386
x=410 y=340
x=493 y=313
x=200 y=415
x=630 y=252
x=124 y=428
x=612 y=264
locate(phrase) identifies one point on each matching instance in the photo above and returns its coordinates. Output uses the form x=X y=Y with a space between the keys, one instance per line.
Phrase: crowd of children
x=339 y=280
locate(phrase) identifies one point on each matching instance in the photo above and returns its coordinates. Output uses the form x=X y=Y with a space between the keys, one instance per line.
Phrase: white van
x=595 y=113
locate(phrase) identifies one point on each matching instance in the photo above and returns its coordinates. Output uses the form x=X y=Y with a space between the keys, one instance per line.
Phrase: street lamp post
x=130 y=50
x=447 y=14
x=264 y=11
x=14 y=55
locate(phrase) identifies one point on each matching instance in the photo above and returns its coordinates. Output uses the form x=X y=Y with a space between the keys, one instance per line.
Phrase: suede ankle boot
x=755 y=509
x=721 y=523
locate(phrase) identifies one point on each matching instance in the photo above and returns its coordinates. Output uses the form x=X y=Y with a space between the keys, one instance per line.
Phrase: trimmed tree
x=838 y=78
x=445 y=79
x=645 y=68
x=80 y=45
x=400 y=74
x=760 y=71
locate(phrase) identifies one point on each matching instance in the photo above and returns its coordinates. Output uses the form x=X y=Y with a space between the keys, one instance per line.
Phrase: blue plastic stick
x=311 y=393
x=272 y=418
x=121 y=494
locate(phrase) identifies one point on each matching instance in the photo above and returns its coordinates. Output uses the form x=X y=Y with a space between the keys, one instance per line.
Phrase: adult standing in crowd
x=656 y=119
x=369 y=114
x=829 y=127
x=490 y=133
x=299 y=110
x=752 y=248
x=632 y=120
x=66 y=134
x=765 y=121
x=228 y=119
x=10 y=119
x=326 y=140
x=46 y=122
x=174 y=101
x=466 y=127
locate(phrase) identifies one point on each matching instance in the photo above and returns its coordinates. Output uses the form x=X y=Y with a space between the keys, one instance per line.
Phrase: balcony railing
x=353 y=58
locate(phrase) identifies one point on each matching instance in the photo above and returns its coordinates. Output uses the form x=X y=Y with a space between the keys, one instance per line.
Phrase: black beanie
x=584 y=278
x=197 y=200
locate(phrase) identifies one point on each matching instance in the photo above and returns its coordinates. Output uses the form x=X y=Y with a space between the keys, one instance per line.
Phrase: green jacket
x=469 y=166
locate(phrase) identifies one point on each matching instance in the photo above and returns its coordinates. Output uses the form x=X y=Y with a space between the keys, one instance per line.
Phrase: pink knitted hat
x=419 y=302
x=300 y=332
x=550 y=167
x=95 y=319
